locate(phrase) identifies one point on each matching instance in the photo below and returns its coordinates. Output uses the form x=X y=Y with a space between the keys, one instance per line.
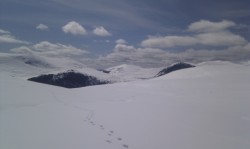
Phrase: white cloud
x=220 y=39
x=74 y=28
x=120 y=41
x=57 y=49
x=42 y=27
x=123 y=47
x=247 y=47
x=101 y=31
x=208 y=26
x=205 y=33
x=169 y=41
x=204 y=39
x=46 y=48
x=4 y=31
x=6 y=37
x=22 y=49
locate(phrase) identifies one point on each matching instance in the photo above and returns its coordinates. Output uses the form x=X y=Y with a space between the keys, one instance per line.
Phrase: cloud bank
x=49 y=49
x=204 y=41
x=208 y=41
x=208 y=26
x=204 y=33
x=155 y=57
x=6 y=37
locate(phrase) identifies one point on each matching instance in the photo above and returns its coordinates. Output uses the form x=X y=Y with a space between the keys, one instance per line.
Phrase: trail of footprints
x=110 y=133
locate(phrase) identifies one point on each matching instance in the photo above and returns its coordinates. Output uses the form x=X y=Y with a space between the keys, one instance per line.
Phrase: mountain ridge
x=68 y=79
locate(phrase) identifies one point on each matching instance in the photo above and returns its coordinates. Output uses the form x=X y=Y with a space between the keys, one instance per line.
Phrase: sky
x=149 y=33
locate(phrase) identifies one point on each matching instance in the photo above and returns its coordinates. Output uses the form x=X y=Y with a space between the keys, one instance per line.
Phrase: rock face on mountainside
x=174 y=67
x=68 y=79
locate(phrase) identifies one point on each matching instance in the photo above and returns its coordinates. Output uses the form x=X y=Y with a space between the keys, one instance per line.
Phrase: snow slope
x=127 y=72
x=206 y=107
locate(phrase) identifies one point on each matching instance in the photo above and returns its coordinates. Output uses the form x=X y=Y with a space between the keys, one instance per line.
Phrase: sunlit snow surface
x=206 y=107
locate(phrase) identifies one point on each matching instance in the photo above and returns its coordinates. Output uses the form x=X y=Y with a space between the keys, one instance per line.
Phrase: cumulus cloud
x=208 y=26
x=123 y=47
x=204 y=33
x=101 y=31
x=42 y=27
x=120 y=41
x=74 y=28
x=46 y=48
x=6 y=37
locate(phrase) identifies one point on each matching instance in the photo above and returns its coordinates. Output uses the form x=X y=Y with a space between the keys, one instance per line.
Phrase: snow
x=127 y=72
x=198 y=108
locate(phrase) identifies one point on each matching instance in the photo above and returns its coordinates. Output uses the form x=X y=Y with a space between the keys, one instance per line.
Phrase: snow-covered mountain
x=30 y=66
x=200 y=108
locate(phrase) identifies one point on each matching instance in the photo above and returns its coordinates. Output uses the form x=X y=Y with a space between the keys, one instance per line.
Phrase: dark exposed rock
x=174 y=67
x=69 y=79
x=105 y=71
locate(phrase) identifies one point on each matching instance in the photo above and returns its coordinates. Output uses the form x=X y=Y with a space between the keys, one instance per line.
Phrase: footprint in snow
x=92 y=123
x=109 y=134
x=119 y=139
x=101 y=126
x=108 y=141
x=125 y=145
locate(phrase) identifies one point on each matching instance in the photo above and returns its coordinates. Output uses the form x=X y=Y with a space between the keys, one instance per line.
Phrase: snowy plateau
x=203 y=107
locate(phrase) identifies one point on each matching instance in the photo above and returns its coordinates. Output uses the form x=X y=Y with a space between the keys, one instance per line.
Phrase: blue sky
x=154 y=32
